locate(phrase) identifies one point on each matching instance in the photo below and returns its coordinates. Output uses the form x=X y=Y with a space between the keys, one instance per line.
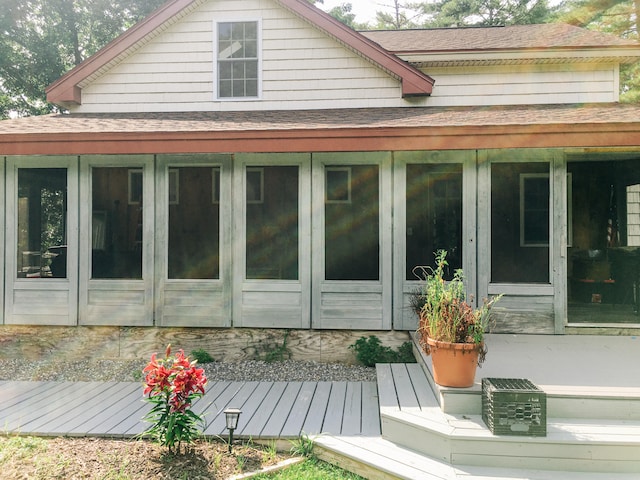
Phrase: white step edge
x=375 y=458
x=574 y=445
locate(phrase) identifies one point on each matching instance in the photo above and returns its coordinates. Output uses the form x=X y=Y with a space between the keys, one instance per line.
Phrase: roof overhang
x=393 y=129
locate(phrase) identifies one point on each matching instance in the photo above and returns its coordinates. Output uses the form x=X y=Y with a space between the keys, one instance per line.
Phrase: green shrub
x=369 y=351
x=202 y=356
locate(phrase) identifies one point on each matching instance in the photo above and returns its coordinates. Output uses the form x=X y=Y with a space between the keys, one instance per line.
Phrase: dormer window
x=237 y=51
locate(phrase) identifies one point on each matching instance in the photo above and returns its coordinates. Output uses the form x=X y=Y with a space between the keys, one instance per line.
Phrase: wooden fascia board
x=66 y=89
x=328 y=140
x=592 y=55
x=414 y=82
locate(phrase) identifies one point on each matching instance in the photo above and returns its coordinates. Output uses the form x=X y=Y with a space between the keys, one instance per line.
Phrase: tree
x=403 y=15
x=42 y=39
x=343 y=14
x=617 y=17
x=459 y=13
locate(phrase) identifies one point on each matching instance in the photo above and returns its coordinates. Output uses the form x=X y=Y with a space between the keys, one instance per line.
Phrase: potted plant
x=450 y=329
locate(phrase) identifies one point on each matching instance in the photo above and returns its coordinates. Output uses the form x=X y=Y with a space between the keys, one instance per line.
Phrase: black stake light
x=232 y=415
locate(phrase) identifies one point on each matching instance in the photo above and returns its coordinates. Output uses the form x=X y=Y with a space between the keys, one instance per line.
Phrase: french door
x=40 y=278
x=272 y=230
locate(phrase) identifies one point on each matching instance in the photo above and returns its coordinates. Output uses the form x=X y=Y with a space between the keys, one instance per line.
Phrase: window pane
x=238 y=41
x=434 y=216
x=352 y=227
x=512 y=260
x=251 y=88
x=225 y=89
x=224 y=31
x=272 y=222
x=42 y=221
x=194 y=226
x=116 y=222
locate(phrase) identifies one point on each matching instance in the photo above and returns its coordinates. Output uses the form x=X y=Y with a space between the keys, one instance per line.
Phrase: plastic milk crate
x=514 y=406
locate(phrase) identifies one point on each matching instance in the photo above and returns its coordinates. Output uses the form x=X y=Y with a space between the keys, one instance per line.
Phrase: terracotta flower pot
x=454 y=364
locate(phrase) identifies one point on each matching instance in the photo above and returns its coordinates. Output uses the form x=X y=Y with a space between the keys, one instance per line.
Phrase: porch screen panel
x=352 y=222
x=520 y=196
x=434 y=216
x=116 y=223
x=194 y=223
x=42 y=222
x=272 y=222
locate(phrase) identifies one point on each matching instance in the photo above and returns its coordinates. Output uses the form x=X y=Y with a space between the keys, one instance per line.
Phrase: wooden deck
x=270 y=410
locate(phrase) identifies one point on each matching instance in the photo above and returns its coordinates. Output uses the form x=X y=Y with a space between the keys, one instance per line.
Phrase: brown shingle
x=552 y=35
x=323 y=119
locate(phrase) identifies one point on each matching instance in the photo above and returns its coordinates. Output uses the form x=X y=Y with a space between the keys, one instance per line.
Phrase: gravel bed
x=131 y=371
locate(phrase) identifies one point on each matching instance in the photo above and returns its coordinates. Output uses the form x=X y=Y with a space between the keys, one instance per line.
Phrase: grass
x=311 y=469
x=107 y=459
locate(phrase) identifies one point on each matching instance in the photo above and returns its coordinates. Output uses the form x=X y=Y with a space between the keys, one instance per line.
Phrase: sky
x=365 y=10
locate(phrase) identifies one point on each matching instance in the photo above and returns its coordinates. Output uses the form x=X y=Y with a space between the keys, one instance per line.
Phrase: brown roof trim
x=414 y=82
x=328 y=140
x=66 y=90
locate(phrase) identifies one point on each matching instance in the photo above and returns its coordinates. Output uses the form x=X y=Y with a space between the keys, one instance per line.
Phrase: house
x=259 y=164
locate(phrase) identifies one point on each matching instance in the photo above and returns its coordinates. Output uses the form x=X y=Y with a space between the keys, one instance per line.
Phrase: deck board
x=281 y=411
x=335 y=408
x=298 y=414
x=386 y=387
x=370 y=423
x=116 y=409
x=404 y=388
x=261 y=411
x=238 y=395
x=424 y=394
x=352 y=415
x=317 y=409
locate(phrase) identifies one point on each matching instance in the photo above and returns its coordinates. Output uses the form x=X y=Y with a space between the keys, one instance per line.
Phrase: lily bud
x=168 y=351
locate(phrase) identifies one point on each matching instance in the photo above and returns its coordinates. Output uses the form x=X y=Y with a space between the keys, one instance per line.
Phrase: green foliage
x=402 y=15
x=459 y=13
x=311 y=469
x=617 y=17
x=272 y=351
x=302 y=446
x=42 y=39
x=202 y=356
x=171 y=385
x=446 y=316
x=369 y=351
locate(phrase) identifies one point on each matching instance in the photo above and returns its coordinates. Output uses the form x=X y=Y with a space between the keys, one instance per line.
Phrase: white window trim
x=216 y=93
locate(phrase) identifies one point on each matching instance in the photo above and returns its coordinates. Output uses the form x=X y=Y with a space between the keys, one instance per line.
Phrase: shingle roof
x=552 y=35
x=365 y=118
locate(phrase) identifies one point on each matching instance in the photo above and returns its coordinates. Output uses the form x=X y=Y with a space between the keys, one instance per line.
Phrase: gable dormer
x=220 y=55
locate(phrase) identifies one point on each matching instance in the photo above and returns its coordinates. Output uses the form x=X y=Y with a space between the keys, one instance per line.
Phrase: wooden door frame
x=246 y=287
x=516 y=294
x=216 y=292
x=402 y=288
x=139 y=313
x=355 y=317
x=51 y=285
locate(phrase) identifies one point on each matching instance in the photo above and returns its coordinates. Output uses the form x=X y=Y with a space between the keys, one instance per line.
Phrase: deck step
x=411 y=417
x=378 y=459
x=563 y=401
